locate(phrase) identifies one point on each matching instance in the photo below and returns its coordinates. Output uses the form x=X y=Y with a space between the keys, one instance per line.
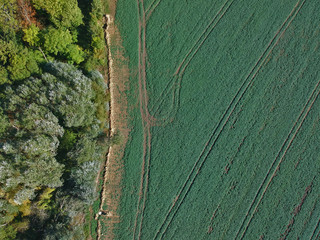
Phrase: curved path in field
x=146 y=121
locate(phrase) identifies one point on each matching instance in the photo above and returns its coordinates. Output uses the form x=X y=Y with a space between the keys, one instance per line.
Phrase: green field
x=224 y=117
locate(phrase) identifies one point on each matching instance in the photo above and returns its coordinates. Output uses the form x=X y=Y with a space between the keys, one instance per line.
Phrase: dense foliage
x=52 y=115
x=33 y=32
x=49 y=136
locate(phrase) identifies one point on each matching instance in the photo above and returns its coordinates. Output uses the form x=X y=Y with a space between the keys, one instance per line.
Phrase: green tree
x=7 y=49
x=65 y=13
x=8 y=21
x=16 y=68
x=21 y=63
x=3 y=76
x=74 y=54
x=56 y=40
x=31 y=35
x=4 y=122
x=43 y=172
x=84 y=177
x=34 y=143
x=7 y=212
x=100 y=88
x=60 y=42
x=72 y=98
x=8 y=233
x=85 y=150
x=38 y=119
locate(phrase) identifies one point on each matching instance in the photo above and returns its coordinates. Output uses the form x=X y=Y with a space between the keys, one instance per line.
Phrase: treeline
x=37 y=31
x=53 y=115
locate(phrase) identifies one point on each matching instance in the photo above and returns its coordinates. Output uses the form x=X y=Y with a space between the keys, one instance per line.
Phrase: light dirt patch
x=118 y=77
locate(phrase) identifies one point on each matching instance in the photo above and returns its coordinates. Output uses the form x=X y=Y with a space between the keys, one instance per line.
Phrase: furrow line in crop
x=216 y=133
x=276 y=168
x=315 y=229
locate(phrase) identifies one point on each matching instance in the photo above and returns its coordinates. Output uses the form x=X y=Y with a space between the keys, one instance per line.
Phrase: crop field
x=224 y=112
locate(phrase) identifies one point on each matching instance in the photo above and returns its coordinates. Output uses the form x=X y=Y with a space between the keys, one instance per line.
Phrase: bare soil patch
x=117 y=78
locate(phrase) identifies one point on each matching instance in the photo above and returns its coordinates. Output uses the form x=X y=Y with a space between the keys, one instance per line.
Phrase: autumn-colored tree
x=27 y=14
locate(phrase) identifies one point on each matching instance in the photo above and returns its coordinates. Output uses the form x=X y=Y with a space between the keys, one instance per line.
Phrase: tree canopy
x=61 y=12
x=48 y=127
x=52 y=115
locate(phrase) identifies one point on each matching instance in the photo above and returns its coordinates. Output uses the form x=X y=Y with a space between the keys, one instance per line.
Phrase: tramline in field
x=224 y=120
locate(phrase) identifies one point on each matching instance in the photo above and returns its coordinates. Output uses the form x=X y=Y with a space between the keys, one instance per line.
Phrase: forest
x=53 y=115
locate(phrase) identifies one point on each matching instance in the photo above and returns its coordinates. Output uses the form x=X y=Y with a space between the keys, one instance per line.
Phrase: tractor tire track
x=296 y=211
x=307 y=220
x=274 y=161
x=281 y=160
x=171 y=80
x=152 y=7
x=315 y=229
x=305 y=106
x=206 y=36
x=141 y=101
x=233 y=104
x=318 y=235
x=178 y=75
x=148 y=119
x=145 y=120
